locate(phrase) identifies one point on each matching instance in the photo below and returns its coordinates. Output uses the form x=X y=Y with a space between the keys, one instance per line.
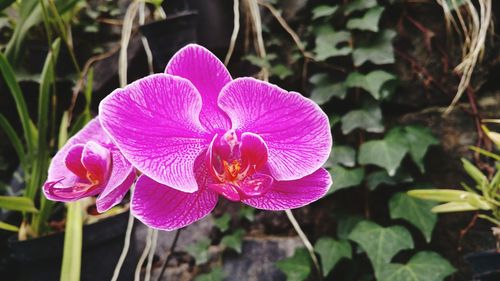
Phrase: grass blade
x=71 y=264
x=8 y=227
x=14 y=140
x=14 y=203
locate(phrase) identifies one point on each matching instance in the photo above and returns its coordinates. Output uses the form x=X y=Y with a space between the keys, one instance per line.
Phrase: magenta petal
x=97 y=160
x=154 y=121
x=253 y=151
x=121 y=178
x=209 y=75
x=285 y=195
x=73 y=161
x=296 y=131
x=256 y=186
x=59 y=176
x=161 y=207
x=228 y=190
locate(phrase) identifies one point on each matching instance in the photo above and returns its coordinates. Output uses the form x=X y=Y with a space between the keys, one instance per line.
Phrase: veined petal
x=97 y=160
x=154 y=121
x=284 y=195
x=296 y=131
x=121 y=178
x=161 y=207
x=60 y=177
x=73 y=160
x=209 y=75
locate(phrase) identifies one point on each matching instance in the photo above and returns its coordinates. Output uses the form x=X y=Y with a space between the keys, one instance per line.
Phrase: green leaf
x=424 y=266
x=346 y=224
x=385 y=153
x=419 y=139
x=368 y=118
x=215 y=275
x=297 y=267
x=378 y=51
x=381 y=243
x=199 y=251
x=372 y=82
x=14 y=203
x=452 y=207
x=342 y=154
x=344 y=178
x=247 y=213
x=381 y=177
x=8 y=227
x=474 y=172
x=369 y=21
x=22 y=109
x=416 y=211
x=331 y=43
x=325 y=88
x=14 y=140
x=72 y=253
x=359 y=5
x=323 y=11
x=280 y=70
x=222 y=223
x=331 y=252
x=234 y=240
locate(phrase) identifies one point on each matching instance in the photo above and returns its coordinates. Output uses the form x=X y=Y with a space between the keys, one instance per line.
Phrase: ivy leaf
x=346 y=224
x=234 y=240
x=344 y=178
x=325 y=88
x=419 y=139
x=297 y=267
x=373 y=82
x=247 y=213
x=369 y=21
x=424 y=266
x=331 y=43
x=323 y=11
x=342 y=154
x=368 y=118
x=378 y=51
x=199 y=251
x=331 y=252
x=281 y=70
x=416 y=211
x=215 y=275
x=381 y=243
x=358 y=5
x=377 y=178
x=386 y=153
x=222 y=223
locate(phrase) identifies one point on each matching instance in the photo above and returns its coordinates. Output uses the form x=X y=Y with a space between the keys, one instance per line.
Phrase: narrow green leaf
x=415 y=211
x=369 y=21
x=8 y=227
x=297 y=267
x=14 y=203
x=14 y=140
x=441 y=195
x=474 y=172
x=381 y=243
x=22 y=109
x=331 y=252
x=72 y=253
x=424 y=266
x=323 y=11
x=63 y=130
x=451 y=207
x=234 y=240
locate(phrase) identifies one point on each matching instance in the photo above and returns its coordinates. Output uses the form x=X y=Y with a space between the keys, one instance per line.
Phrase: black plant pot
x=485 y=265
x=40 y=259
x=167 y=36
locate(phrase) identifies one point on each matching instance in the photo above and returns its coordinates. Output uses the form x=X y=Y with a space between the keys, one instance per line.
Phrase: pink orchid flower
x=195 y=134
x=87 y=165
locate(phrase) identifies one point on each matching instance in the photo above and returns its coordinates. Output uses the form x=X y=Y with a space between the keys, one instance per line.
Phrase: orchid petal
x=96 y=159
x=284 y=195
x=256 y=186
x=228 y=190
x=121 y=178
x=209 y=75
x=154 y=123
x=253 y=151
x=296 y=131
x=73 y=160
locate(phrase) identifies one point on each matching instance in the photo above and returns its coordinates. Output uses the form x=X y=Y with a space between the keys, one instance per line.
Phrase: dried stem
x=144 y=255
x=236 y=29
x=151 y=255
x=305 y=241
x=169 y=254
x=126 y=246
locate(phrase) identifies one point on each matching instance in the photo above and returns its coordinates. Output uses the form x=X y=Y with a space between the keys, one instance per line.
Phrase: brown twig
x=169 y=254
x=464 y=231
